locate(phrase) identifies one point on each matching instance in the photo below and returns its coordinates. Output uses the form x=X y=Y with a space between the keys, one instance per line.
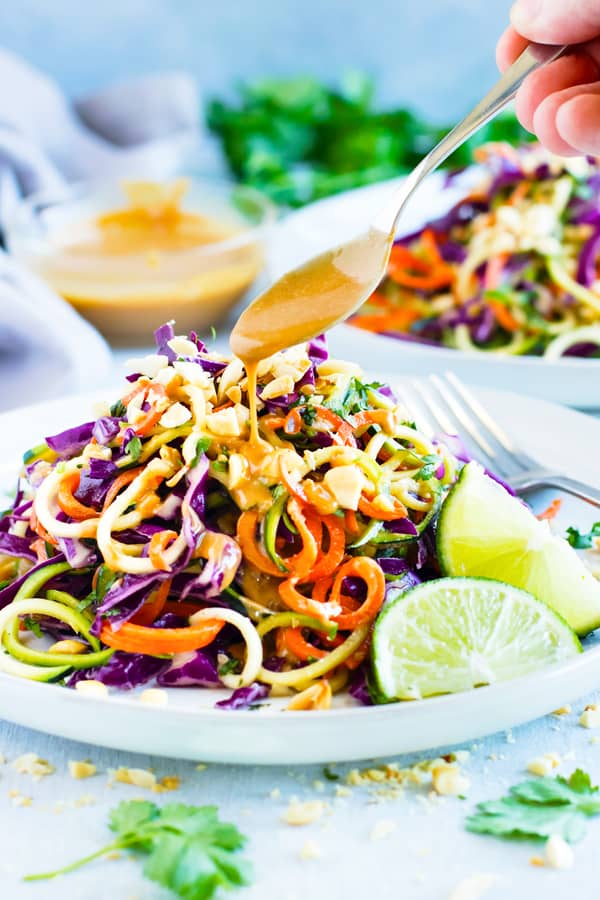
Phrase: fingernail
x=524 y=12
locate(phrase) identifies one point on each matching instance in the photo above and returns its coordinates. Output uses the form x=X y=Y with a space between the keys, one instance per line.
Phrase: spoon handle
x=534 y=56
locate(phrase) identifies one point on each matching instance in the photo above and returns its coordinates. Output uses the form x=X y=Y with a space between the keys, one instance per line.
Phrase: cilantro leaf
x=202 y=446
x=431 y=463
x=118 y=409
x=583 y=540
x=355 y=400
x=189 y=850
x=33 y=626
x=539 y=808
x=134 y=448
x=330 y=775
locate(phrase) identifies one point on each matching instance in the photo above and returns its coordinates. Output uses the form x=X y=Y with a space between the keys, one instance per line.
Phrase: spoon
x=330 y=287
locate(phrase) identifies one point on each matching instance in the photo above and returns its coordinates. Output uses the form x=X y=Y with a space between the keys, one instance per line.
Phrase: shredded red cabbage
x=72 y=441
x=245 y=697
x=194 y=669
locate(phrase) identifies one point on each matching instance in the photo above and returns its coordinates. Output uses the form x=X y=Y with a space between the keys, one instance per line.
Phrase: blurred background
x=435 y=55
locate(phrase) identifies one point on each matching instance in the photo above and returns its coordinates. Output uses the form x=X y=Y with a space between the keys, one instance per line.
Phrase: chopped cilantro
x=232 y=665
x=430 y=466
x=202 y=446
x=329 y=775
x=355 y=400
x=308 y=414
x=118 y=409
x=187 y=849
x=33 y=626
x=134 y=448
x=540 y=808
x=583 y=540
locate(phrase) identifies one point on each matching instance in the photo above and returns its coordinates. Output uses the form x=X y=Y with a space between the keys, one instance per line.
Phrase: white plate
x=190 y=727
x=326 y=223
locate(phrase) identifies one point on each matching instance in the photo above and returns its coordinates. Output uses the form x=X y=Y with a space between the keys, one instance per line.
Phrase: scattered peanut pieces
x=310 y=850
x=558 y=853
x=141 y=778
x=92 y=688
x=383 y=829
x=565 y=710
x=154 y=697
x=543 y=765
x=473 y=887
x=31 y=764
x=317 y=696
x=79 y=769
x=590 y=717
x=303 y=813
x=448 y=781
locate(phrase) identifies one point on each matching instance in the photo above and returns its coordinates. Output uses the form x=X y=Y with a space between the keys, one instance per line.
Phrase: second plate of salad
x=493 y=274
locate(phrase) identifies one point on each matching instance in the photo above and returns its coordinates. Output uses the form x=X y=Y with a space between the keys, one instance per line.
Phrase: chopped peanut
x=139 y=777
x=92 y=688
x=590 y=718
x=31 y=764
x=154 y=697
x=81 y=769
x=67 y=646
x=303 y=813
x=558 y=853
x=448 y=781
x=317 y=696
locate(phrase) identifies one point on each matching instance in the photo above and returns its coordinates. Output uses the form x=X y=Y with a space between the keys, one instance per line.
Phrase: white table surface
x=425 y=857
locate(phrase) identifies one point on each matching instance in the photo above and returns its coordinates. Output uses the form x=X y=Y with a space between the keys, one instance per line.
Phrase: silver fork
x=453 y=409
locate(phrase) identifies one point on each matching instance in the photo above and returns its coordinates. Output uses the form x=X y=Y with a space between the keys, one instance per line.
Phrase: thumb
x=557 y=21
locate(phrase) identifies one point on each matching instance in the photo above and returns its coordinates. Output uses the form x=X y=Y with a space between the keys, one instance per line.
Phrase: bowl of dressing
x=130 y=255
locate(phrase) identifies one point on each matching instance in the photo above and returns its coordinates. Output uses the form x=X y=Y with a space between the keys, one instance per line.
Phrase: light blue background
x=434 y=54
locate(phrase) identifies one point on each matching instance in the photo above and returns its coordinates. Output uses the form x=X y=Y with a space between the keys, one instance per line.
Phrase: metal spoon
x=330 y=287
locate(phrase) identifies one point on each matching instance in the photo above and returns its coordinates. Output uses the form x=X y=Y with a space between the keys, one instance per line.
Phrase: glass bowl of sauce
x=130 y=255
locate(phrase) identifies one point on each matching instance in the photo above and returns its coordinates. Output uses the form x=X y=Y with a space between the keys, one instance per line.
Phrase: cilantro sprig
x=187 y=849
x=583 y=540
x=539 y=808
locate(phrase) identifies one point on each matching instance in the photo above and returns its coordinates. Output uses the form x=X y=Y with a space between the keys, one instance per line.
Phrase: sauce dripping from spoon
x=306 y=301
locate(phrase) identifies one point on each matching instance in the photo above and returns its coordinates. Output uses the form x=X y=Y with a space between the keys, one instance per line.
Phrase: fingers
x=510 y=45
x=561 y=134
x=557 y=21
x=567 y=72
x=578 y=122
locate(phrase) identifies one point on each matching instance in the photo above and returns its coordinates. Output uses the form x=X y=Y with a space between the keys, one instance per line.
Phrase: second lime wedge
x=455 y=634
x=484 y=532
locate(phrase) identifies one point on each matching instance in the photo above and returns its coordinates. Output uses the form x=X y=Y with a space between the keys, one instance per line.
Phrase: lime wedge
x=455 y=634
x=483 y=531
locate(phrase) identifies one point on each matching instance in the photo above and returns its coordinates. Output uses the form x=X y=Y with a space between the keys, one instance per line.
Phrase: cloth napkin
x=144 y=127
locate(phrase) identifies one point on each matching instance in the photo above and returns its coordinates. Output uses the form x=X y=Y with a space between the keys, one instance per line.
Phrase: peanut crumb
x=590 y=717
x=154 y=697
x=473 y=887
x=92 y=688
x=139 y=777
x=298 y=813
x=448 y=781
x=558 y=853
x=342 y=791
x=565 y=710
x=31 y=764
x=319 y=785
x=275 y=794
x=167 y=783
x=537 y=861
x=310 y=850
x=510 y=738
x=85 y=800
x=79 y=769
x=21 y=800
x=383 y=829
x=543 y=765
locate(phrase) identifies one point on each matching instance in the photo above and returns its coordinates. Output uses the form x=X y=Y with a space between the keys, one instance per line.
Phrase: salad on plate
x=511 y=269
x=342 y=552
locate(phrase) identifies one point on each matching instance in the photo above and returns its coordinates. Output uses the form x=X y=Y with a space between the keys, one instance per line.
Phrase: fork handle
x=561 y=482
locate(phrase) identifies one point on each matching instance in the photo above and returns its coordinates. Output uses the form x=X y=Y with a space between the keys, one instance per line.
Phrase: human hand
x=560 y=102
